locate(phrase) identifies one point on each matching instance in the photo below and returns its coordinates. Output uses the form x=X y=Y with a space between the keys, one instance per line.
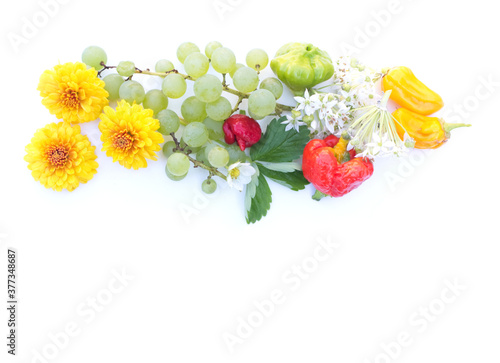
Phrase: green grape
x=207 y=88
x=155 y=100
x=223 y=60
x=257 y=59
x=236 y=67
x=209 y=147
x=273 y=85
x=168 y=148
x=169 y=121
x=246 y=79
x=163 y=66
x=112 y=83
x=255 y=117
x=201 y=156
x=93 y=56
x=220 y=109
x=214 y=128
x=195 y=134
x=209 y=186
x=235 y=154
x=131 y=91
x=174 y=86
x=178 y=164
x=196 y=64
x=186 y=49
x=261 y=103
x=209 y=49
x=172 y=176
x=125 y=68
x=193 y=110
x=218 y=157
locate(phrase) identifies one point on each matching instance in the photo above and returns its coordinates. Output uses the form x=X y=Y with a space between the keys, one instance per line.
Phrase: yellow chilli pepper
x=428 y=132
x=409 y=92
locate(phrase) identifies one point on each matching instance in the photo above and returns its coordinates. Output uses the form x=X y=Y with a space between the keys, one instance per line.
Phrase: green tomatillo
x=301 y=66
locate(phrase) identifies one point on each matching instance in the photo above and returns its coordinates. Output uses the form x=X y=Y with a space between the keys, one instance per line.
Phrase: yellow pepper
x=428 y=132
x=409 y=92
x=340 y=149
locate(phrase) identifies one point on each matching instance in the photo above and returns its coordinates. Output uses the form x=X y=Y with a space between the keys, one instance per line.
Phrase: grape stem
x=241 y=95
x=197 y=164
x=240 y=100
x=104 y=67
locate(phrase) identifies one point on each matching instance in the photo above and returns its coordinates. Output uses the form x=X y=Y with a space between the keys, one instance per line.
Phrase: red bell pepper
x=321 y=167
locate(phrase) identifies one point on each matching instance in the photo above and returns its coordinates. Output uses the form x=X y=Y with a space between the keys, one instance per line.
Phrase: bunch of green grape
x=203 y=112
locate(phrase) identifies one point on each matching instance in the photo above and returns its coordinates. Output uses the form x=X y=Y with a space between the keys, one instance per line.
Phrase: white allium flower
x=374 y=132
x=239 y=174
x=308 y=103
x=292 y=122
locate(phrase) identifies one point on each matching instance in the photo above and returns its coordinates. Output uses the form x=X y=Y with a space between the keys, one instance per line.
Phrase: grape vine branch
x=196 y=163
x=225 y=87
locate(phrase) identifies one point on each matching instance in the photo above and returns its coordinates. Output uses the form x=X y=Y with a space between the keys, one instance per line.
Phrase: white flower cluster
x=374 y=132
x=355 y=82
x=382 y=145
x=352 y=104
x=330 y=112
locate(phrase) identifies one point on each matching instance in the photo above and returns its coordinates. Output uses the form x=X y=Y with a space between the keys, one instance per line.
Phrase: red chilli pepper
x=321 y=167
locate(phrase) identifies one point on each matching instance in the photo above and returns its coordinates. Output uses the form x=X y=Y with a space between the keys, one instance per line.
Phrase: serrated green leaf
x=294 y=180
x=282 y=167
x=278 y=145
x=261 y=202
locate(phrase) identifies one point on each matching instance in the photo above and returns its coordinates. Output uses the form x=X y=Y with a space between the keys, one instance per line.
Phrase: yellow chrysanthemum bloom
x=73 y=93
x=60 y=157
x=129 y=134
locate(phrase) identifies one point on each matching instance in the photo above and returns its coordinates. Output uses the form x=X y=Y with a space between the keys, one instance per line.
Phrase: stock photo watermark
x=199 y=202
x=292 y=279
x=86 y=311
x=222 y=7
x=379 y=20
x=459 y=112
x=12 y=308
x=31 y=25
x=419 y=322
x=485 y=87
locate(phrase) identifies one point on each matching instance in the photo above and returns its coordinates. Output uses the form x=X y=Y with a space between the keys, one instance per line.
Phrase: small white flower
x=292 y=122
x=381 y=146
x=330 y=123
x=326 y=107
x=239 y=174
x=302 y=100
x=308 y=103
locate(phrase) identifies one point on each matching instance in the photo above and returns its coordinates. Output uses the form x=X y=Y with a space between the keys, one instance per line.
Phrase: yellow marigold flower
x=73 y=93
x=60 y=157
x=129 y=134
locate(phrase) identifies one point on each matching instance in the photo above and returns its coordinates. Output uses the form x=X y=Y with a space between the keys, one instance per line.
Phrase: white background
x=194 y=278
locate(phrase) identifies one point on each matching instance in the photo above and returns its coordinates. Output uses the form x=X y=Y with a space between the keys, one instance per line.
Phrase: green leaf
x=278 y=145
x=282 y=167
x=294 y=180
x=257 y=205
x=251 y=189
